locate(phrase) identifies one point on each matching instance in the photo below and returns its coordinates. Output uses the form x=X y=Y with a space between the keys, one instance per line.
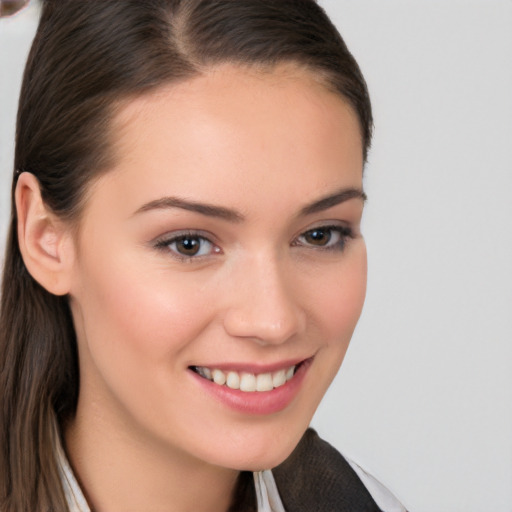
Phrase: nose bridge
x=262 y=304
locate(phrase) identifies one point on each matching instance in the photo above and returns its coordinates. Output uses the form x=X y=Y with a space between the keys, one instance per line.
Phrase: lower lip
x=257 y=402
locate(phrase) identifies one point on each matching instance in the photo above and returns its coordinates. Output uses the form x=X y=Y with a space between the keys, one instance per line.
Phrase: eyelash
x=343 y=232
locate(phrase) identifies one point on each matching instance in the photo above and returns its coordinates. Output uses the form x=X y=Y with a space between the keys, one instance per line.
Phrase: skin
x=264 y=145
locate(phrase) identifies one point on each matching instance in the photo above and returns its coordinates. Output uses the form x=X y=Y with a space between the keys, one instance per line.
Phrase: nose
x=262 y=305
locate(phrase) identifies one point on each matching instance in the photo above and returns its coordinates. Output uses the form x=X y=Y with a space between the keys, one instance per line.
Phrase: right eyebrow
x=206 y=209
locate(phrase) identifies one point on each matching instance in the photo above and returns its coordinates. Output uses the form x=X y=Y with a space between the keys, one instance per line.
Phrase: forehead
x=233 y=125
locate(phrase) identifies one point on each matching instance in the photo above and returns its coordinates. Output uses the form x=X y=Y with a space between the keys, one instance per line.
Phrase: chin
x=265 y=452
x=268 y=460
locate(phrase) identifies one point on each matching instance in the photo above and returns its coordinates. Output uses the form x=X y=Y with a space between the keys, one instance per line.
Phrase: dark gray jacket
x=314 y=478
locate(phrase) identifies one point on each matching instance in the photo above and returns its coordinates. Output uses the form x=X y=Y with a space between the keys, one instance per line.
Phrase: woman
x=185 y=265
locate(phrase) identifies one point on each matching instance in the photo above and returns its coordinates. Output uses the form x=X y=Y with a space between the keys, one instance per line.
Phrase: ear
x=46 y=242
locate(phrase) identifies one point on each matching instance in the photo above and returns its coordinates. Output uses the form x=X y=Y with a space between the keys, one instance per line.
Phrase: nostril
x=263 y=327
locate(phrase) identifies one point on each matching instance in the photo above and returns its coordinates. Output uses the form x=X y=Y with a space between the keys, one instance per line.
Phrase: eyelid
x=327 y=224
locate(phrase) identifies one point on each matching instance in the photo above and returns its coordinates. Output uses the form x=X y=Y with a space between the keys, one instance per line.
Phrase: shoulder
x=316 y=477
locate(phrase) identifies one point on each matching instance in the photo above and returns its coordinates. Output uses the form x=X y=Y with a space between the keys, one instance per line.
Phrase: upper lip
x=255 y=368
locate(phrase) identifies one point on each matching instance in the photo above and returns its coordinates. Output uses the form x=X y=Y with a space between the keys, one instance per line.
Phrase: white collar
x=74 y=496
x=267 y=495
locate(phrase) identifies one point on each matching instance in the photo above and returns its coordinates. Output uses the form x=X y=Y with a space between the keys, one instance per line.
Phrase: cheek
x=137 y=327
x=132 y=316
x=339 y=307
x=341 y=300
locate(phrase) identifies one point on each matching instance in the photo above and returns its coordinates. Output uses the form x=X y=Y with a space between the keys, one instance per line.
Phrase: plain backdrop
x=424 y=397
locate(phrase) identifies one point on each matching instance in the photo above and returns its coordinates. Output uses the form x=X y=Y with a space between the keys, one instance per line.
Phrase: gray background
x=424 y=398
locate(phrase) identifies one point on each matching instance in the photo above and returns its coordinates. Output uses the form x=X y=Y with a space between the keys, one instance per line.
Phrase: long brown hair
x=86 y=57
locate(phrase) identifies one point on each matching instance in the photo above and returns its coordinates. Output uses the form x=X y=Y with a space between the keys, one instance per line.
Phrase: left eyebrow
x=332 y=200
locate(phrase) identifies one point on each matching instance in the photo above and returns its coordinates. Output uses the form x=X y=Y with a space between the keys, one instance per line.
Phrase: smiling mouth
x=245 y=381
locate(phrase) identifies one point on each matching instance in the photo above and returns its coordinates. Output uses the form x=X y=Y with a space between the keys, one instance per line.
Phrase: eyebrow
x=332 y=200
x=230 y=215
x=209 y=210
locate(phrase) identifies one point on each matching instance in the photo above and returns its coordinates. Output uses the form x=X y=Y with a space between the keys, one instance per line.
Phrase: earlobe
x=45 y=241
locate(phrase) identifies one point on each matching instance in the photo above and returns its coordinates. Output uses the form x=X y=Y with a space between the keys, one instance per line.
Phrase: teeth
x=233 y=380
x=278 y=378
x=264 y=382
x=204 y=372
x=248 y=382
x=219 y=377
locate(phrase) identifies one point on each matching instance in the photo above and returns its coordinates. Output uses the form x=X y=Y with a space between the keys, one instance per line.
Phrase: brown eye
x=325 y=238
x=188 y=245
x=319 y=237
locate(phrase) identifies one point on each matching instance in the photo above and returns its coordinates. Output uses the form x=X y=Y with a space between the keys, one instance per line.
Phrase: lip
x=257 y=402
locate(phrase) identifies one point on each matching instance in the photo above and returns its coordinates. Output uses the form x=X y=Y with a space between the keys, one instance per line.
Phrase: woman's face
x=224 y=245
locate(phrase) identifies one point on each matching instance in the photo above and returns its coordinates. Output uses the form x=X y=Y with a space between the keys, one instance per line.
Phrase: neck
x=129 y=471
